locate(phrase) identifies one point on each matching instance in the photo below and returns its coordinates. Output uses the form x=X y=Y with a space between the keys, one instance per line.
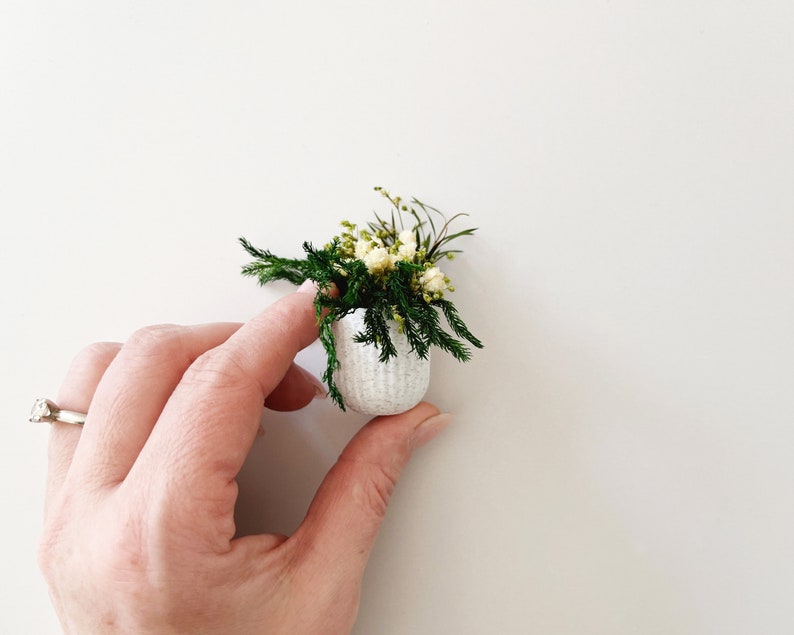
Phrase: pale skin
x=139 y=530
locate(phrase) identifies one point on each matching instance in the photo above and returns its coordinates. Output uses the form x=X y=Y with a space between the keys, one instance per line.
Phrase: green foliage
x=386 y=269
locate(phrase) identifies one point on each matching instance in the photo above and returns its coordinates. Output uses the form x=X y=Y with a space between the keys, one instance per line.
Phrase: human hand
x=139 y=521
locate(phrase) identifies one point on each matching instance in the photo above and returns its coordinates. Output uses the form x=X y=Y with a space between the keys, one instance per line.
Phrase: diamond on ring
x=46 y=411
x=41 y=411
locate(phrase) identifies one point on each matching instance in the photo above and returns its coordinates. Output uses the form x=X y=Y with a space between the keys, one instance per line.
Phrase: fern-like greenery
x=389 y=269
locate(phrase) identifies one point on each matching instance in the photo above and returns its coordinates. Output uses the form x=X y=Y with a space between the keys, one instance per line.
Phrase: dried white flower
x=379 y=260
x=363 y=247
x=433 y=280
x=407 y=250
x=407 y=237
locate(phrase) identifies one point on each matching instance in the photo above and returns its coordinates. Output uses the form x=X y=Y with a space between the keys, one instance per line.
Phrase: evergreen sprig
x=389 y=271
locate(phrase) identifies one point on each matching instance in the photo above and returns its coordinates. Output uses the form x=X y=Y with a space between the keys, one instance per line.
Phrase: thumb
x=344 y=518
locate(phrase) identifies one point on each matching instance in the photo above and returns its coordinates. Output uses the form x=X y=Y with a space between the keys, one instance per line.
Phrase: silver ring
x=44 y=410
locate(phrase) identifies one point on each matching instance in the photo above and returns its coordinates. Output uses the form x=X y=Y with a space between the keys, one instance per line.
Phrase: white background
x=621 y=457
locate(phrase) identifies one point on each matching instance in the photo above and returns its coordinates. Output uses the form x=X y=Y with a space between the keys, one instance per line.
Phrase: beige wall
x=621 y=458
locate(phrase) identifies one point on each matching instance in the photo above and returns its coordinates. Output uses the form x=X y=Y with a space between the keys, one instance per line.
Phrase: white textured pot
x=369 y=386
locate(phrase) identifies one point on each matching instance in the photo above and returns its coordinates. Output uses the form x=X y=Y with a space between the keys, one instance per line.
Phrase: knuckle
x=216 y=368
x=383 y=484
x=281 y=318
x=373 y=476
x=377 y=488
x=51 y=557
x=281 y=323
x=52 y=548
x=95 y=355
x=45 y=556
x=122 y=552
x=156 y=340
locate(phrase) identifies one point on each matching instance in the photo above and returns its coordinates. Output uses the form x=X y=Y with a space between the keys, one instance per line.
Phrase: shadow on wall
x=286 y=466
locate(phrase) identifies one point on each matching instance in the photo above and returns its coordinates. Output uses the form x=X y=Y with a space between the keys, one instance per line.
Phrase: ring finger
x=76 y=393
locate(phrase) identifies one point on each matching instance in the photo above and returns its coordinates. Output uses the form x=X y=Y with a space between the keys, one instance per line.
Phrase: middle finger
x=132 y=394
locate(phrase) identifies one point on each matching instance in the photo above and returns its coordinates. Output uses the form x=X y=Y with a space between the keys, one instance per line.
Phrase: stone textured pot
x=369 y=386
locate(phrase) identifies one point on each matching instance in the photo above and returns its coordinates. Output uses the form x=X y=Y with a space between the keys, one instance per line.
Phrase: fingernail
x=320 y=391
x=308 y=286
x=429 y=428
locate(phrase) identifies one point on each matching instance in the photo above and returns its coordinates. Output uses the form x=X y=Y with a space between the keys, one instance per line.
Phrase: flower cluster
x=390 y=269
x=381 y=251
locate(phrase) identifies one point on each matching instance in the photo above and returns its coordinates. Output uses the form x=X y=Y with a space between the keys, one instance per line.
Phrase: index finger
x=209 y=423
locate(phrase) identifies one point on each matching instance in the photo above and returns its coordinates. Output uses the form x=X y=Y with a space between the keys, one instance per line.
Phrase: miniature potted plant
x=380 y=296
